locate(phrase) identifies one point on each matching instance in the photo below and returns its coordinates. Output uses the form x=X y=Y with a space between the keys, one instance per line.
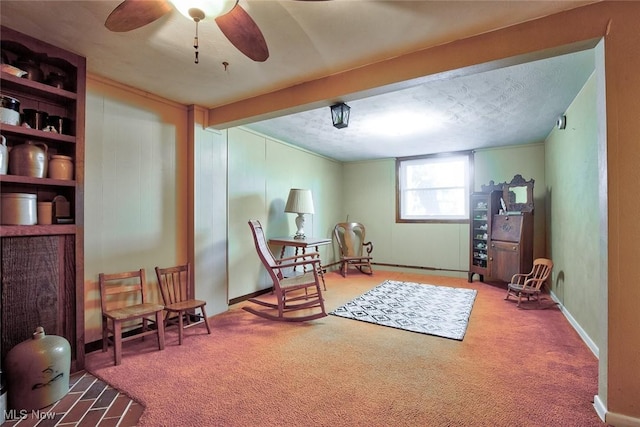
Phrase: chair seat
x=300 y=280
x=530 y=285
x=185 y=305
x=357 y=258
x=521 y=288
x=133 y=311
x=177 y=291
x=117 y=289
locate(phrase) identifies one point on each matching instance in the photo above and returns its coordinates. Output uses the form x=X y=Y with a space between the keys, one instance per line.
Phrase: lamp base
x=300 y=225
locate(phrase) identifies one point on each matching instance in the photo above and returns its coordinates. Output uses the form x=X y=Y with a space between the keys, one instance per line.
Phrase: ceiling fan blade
x=132 y=14
x=243 y=33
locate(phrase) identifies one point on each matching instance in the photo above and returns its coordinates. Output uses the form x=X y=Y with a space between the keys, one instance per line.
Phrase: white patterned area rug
x=435 y=310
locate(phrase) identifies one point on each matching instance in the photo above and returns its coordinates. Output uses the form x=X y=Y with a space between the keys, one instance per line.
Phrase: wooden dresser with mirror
x=501 y=225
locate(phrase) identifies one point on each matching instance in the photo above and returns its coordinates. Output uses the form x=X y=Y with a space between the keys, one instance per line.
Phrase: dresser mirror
x=518 y=194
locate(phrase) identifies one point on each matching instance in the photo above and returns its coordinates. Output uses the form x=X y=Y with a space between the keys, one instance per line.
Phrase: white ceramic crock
x=9 y=110
x=18 y=209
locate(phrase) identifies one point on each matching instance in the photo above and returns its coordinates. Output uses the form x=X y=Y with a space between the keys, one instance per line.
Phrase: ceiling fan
x=234 y=22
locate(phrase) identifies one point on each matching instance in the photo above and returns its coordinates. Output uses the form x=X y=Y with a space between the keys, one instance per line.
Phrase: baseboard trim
x=417 y=267
x=611 y=418
x=241 y=298
x=619 y=420
x=600 y=407
x=96 y=345
x=587 y=340
x=598 y=404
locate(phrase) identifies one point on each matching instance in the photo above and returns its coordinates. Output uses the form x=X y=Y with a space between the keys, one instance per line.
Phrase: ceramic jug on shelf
x=4 y=155
x=29 y=159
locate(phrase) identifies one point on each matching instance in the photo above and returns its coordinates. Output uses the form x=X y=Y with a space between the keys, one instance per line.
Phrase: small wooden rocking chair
x=530 y=285
x=293 y=294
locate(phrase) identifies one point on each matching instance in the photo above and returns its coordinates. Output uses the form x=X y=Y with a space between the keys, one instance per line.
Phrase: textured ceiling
x=512 y=105
x=311 y=39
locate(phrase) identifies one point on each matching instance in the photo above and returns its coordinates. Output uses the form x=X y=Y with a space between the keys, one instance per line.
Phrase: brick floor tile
x=119 y=406
x=90 y=402
x=105 y=399
x=95 y=390
x=92 y=418
x=76 y=376
x=132 y=416
x=109 y=422
x=53 y=421
x=83 y=383
x=64 y=404
x=28 y=420
x=78 y=411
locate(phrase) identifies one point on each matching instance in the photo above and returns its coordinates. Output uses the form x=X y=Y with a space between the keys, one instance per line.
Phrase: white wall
x=574 y=220
x=370 y=190
x=261 y=172
x=135 y=188
x=208 y=241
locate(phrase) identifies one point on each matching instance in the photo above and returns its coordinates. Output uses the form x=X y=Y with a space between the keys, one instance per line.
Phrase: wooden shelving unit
x=483 y=206
x=42 y=266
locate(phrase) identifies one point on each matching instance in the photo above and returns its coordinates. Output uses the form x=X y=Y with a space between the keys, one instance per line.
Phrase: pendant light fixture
x=199 y=10
x=340 y=115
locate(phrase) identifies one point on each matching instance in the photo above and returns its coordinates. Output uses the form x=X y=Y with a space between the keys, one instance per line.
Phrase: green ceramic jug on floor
x=38 y=371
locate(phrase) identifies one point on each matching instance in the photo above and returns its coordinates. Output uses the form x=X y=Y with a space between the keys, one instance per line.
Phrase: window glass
x=433 y=188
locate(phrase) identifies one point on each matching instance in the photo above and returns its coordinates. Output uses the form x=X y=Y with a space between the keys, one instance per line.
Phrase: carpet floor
x=515 y=367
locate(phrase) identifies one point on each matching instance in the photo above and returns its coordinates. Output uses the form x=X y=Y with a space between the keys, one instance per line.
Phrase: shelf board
x=19 y=179
x=36 y=230
x=35 y=133
x=9 y=81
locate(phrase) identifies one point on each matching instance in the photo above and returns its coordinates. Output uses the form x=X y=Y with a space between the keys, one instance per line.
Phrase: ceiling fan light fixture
x=198 y=10
x=340 y=115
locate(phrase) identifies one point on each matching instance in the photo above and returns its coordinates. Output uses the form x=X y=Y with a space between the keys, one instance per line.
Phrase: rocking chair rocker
x=299 y=293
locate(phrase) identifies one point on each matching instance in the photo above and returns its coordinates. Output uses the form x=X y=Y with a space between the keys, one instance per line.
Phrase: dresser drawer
x=507 y=228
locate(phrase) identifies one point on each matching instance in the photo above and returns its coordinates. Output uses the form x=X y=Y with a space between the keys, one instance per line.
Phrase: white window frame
x=402 y=190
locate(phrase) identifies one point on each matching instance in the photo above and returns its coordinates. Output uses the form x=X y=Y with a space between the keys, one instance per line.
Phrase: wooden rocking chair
x=351 y=241
x=299 y=293
x=530 y=285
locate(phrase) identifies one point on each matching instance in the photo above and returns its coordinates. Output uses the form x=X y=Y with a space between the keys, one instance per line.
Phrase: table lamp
x=300 y=202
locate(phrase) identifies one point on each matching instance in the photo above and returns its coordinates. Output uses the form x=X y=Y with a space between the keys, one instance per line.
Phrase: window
x=433 y=188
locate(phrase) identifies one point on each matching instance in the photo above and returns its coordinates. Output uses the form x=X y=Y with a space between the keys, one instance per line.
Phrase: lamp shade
x=299 y=201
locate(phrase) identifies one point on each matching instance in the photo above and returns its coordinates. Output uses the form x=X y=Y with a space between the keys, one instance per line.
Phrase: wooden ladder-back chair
x=179 y=305
x=351 y=241
x=123 y=298
x=300 y=293
x=530 y=285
